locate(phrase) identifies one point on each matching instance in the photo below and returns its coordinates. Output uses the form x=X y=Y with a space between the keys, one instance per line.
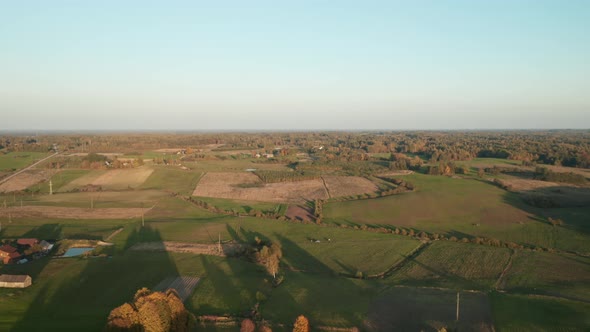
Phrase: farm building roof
x=8 y=248
x=27 y=242
x=13 y=277
x=14 y=254
x=46 y=245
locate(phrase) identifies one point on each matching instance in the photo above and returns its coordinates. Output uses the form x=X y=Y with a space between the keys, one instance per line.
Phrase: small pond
x=76 y=251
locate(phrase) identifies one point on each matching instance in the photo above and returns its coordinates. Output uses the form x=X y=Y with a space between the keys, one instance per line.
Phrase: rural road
x=26 y=168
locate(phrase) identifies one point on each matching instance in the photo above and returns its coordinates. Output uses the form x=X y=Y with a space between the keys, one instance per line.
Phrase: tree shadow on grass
x=317 y=293
x=79 y=293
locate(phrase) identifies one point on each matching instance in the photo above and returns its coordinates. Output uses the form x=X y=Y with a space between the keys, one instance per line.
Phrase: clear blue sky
x=294 y=65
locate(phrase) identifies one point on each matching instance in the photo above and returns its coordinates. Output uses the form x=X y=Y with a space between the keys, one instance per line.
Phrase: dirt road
x=26 y=168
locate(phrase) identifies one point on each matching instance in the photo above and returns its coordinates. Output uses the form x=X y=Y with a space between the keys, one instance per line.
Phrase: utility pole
x=219 y=244
x=457 y=306
x=50 y=187
x=142 y=217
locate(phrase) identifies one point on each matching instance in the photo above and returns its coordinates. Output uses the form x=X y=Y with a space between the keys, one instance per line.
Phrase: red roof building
x=9 y=254
x=27 y=242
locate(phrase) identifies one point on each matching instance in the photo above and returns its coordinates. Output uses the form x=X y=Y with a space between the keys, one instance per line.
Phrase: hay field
x=348 y=185
x=247 y=186
x=26 y=179
x=112 y=179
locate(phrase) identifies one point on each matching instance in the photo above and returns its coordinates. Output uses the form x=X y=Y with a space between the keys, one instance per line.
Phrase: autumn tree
x=151 y=311
x=301 y=324
x=247 y=325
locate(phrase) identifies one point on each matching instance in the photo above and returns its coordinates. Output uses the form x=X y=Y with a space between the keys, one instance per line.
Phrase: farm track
x=27 y=168
x=326 y=187
x=113 y=234
x=403 y=262
x=500 y=282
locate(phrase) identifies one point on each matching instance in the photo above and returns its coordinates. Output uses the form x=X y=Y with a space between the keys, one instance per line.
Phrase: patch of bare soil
x=348 y=185
x=527 y=185
x=247 y=186
x=26 y=179
x=548 y=194
x=298 y=212
x=73 y=213
x=227 y=249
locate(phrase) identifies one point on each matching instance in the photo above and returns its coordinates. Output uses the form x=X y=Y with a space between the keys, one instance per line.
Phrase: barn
x=15 y=281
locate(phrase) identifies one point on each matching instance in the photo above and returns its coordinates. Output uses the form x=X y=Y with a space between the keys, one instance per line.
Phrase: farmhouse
x=9 y=254
x=15 y=281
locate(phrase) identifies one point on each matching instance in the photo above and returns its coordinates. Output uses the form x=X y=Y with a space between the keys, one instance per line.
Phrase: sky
x=294 y=65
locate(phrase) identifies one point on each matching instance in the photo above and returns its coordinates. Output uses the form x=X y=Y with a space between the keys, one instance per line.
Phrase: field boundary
x=414 y=253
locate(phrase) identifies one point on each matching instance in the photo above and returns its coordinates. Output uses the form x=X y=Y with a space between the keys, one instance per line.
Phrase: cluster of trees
x=151 y=311
x=268 y=255
x=232 y=212
x=545 y=174
x=301 y=325
x=399 y=161
x=318 y=210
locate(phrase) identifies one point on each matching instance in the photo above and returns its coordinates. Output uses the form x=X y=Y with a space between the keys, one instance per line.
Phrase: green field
x=17 y=160
x=548 y=273
x=172 y=179
x=60 y=179
x=454 y=265
x=466 y=208
x=527 y=313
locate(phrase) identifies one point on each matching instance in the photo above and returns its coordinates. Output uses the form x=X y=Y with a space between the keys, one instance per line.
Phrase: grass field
x=454 y=265
x=172 y=179
x=535 y=314
x=18 y=160
x=552 y=274
x=466 y=208
x=60 y=179
x=245 y=207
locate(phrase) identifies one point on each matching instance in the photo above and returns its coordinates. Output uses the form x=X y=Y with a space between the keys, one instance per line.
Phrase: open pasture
x=58 y=212
x=549 y=273
x=454 y=265
x=99 y=199
x=438 y=203
x=17 y=160
x=112 y=179
x=172 y=179
x=521 y=313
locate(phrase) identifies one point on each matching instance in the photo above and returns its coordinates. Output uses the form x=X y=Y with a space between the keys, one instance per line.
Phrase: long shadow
x=571 y=204
x=77 y=294
x=325 y=291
